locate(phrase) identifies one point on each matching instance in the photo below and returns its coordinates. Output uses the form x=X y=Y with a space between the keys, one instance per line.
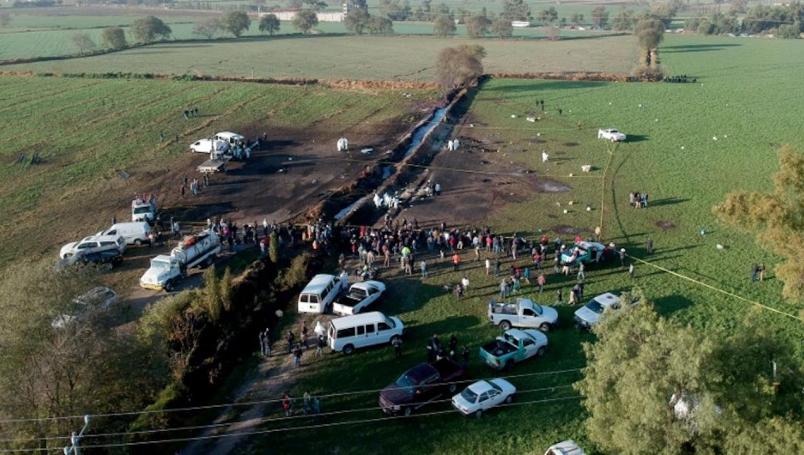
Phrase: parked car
x=483 y=395
x=100 y=298
x=513 y=346
x=359 y=331
x=586 y=252
x=206 y=146
x=522 y=312
x=359 y=297
x=92 y=244
x=610 y=134
x=421 y=385
x=134 y=232
x=318 y=295
x=568 y=447
x=589 y=315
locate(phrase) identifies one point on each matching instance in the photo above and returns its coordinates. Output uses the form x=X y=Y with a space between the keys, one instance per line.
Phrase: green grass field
x=85 y=131
x=743 y=97
x=349 y=57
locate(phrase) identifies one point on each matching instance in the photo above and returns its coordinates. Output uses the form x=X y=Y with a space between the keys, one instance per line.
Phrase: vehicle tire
x=348 y=349
x=545 y=327
x=505 y=325
x=478 y=413
x=169 y=286
x=393 y=339
x=138 y=242
x=540 y=351
x=407 y=411
x=508 y=365
x=509 y=399
x=452 y=388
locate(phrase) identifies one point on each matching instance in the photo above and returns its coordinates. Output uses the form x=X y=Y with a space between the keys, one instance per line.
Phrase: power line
x=249 y=403
x=284 y=429
x=261 y=420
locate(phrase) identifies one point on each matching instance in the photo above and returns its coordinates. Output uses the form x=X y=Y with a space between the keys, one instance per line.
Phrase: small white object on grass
x=538 y=134
x=714 y=138
x=571 y=174
x=720 y=247
x=566 y=211
x=570 y=202
x=640 y=105
x=586 y=168
x=588 y=208
x=531 y=119
x=558 y=204
x=682 y=147
x=513 y=115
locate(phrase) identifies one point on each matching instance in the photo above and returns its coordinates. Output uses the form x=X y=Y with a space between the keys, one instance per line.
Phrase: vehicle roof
x=607 y=299
x=318 y=283
x=129 y=223
x=365 y=284
x=520 y=334
x=524 y=300
x=480 y=386
x=587 y=245
x=228 y=134
x=421 y=371
x=99 y=238
x=163 y=257
x=357 y=319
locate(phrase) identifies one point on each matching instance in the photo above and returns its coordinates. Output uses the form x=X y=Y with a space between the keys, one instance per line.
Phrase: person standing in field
x=541 y=281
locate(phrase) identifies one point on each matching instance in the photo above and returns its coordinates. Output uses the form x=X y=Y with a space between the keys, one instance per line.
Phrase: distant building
x=323 y=16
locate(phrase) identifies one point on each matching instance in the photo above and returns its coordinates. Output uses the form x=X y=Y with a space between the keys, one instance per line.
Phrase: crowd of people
x=638 y=200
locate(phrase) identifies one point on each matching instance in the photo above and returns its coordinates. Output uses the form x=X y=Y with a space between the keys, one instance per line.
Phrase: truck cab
x=164 y=272
x=143 y=209
x=522 y=313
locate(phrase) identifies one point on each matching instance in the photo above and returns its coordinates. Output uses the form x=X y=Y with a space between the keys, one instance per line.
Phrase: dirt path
x=273 y=376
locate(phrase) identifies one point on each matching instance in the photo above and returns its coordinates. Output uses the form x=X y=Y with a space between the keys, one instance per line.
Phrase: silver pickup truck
x=522 y=312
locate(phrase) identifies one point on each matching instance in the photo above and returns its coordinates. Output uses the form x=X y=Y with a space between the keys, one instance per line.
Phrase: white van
x=135 y=232
x=318 y=295
x=368 y=329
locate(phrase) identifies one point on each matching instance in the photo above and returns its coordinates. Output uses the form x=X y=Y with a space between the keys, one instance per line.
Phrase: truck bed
x=212 y=166
x=503 y=308
x=498 y=348
x=448 y=370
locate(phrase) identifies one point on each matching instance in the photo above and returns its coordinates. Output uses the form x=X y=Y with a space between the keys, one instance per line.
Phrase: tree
x=305 y=20
x=380 y=25
x=576 y=18
x=777 y=217
x=444 y=26
x=148 y=29
x=478 y=26
x=269 y=24
x=649 y=32
x=664 y=12
x=208 y=28
x=624 y=20
x=236 y=22
x=600 y=17
x=80 y=364
x=273 y=248
x=315 y=5
x=502 y=27
x=642 y=365
x=83 y=42
x=549 y=15
x=113 y=37
x=356 y=21
x=515 y=10
x=789 y=31
x=459 y=66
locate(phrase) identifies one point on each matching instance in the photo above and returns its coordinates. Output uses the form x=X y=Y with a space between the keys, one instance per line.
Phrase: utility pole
x=75 y=439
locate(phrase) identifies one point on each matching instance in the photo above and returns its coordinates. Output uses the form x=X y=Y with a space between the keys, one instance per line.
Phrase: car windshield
x=468 y=395
x=160 y=264
x=595 y=306
x=390 y=322
x=538 y=309
x=142 y=209
x=405 y=381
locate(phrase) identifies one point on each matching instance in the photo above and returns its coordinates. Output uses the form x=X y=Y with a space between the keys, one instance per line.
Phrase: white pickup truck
x=522 y=313
x=610 y=134
x=144 y=209
x=359 y=297
x=195 y=250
